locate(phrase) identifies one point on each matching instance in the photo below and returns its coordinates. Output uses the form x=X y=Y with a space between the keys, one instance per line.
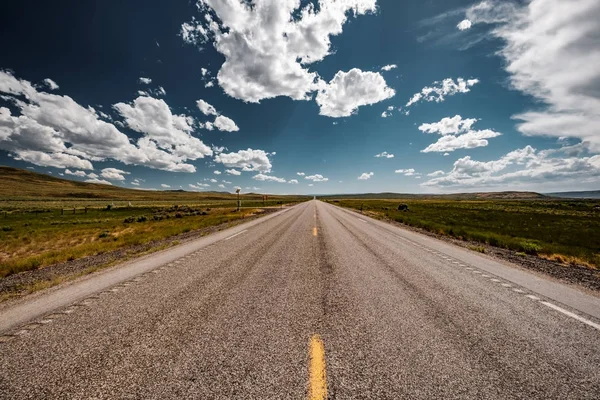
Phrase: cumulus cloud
x=80 y=174
x=456 y=134
x=293 y=181
x=114 y=174
x=366 y=175
x=523 y=166
x=164 y=131
x=551 y=53
x=246 y=160
x=464 y=25
x=206 y=108
x=96 y=180
x=437 y=173
x=51 y=84
x=145 y=81
x=406 y=172
x=300 y=173
x=164 y=185
x=268 y=178
x=316 y=178
x=440 y=90
x=385 y=154
x=233 y=172
x=221 y=122
x=56 y=131
x=389 y=67
x=347 y=91
x=217 y=172
x=269 y=45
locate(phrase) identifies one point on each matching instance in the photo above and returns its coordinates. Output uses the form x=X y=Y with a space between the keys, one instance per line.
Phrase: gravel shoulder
x=566 y=273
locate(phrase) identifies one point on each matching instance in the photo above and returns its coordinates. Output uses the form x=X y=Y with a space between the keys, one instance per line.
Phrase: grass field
x=46 y=220
x=563 y=230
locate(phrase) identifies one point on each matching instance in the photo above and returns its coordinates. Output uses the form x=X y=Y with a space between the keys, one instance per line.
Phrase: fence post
x=62 y=211
x=73 y=210
x=85 y=210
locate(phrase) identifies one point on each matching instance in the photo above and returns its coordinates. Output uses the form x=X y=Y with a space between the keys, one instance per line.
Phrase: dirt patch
x=20 y=284
x=568 y=273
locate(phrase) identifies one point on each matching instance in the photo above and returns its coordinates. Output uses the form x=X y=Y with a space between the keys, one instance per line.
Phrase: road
x=313 y=302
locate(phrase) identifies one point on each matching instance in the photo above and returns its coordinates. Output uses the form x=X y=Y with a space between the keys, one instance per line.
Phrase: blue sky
x=284 y=96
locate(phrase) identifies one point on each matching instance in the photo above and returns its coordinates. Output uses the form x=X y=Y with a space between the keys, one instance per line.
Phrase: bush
x=109 y=207
x=7 y=228
x=178 y=215
x=530 y=247
x=142 y=218
x=129 y=220
x=104 y=234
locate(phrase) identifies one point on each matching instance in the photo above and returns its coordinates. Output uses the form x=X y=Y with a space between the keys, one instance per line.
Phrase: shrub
x=7 y=228
x=104 y=234
x=178 y=215
x=142 y=218
x=129 y=220
x=530 y=247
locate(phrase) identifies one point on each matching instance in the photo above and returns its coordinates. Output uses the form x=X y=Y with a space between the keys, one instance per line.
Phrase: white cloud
x=456 y=134
x=195 y=187
x=213 y=180
x=164 y=185
x=246 y=160
x=224 y=123
x=436 y=174
x=51 y=84
x=311 y=184
x=54 y=130
x=226 y=182
x=268 y=45
x=440 y=90
x=386 y=114
x=551 y=53
x=347 y=91
x=389 y=67
x=80 y=174
x=209 y=84
x=524 y=167
x=164 y=131
x=316 y=178
x=221 y=122
x=447 y=126
x=300 y=173
x=96 y=180
x=268 y=178
x=385 y=154
x=135 y=182
x=464 y=25
x=222 y=186
x=233 y=172
x=217 y=172
x=406 y=172
x=145 y=81
x=293 y=181
x=204 y=71
x=206 y=108
x=366 y=175
x=114 y=174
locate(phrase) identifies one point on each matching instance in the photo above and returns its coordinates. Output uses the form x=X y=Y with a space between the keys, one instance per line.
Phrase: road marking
x=237 y=234
x=317 y=373
x=494 y=280
x=315 y=231
x=360 y=219
x=572 y=315
x=506 y=285
x=532 y=297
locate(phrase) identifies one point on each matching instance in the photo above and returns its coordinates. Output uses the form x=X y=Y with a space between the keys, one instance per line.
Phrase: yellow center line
x=315 y=231
x=318 y=377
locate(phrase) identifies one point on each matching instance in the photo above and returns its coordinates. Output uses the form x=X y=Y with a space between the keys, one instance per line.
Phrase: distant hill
x=590 y=194
x=454 y=196
x=20 y=184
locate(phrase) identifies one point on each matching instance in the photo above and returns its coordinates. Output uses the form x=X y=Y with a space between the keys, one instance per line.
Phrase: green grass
x=563 y=230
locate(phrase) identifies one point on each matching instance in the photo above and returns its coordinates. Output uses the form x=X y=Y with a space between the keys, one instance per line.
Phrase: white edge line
x=572 y=315
x=360 y=219
x=239 y=233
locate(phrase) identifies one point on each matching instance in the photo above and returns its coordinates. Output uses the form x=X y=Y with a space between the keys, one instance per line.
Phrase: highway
x=312 y=302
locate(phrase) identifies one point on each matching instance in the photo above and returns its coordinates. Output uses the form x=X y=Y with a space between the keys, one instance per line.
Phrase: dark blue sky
x=96 y=51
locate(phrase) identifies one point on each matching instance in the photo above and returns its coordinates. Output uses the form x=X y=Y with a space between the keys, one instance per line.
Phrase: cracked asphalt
x=231 y=316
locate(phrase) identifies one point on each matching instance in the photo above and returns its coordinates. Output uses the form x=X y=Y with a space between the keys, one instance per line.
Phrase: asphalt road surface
x=312 y=302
